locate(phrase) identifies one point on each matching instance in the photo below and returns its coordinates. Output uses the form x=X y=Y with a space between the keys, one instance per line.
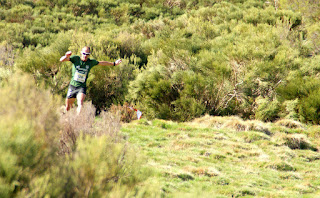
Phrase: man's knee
x=80 y=99
x=68 y=107
x=80 y=102
x=69 y=103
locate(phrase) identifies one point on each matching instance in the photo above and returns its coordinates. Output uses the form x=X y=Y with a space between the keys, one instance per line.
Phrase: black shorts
x=73 y=91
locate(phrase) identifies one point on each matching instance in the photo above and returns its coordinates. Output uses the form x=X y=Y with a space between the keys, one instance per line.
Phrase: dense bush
x=110 y=86
x=309 y=108
x=28 y=134
x=94 y=160
x=216 y=57
x=267 y=110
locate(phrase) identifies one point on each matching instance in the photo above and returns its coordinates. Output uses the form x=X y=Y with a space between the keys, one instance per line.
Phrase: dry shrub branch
x=86 y=123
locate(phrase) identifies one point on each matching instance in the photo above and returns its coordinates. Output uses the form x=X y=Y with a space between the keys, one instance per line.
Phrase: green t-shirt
x=80 y=70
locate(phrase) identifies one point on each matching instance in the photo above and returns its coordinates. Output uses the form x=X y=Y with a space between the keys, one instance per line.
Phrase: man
x=80 y=70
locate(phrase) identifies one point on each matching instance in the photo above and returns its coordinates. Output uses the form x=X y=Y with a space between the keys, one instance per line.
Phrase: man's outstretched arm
x=66 y=57
x=107 y=63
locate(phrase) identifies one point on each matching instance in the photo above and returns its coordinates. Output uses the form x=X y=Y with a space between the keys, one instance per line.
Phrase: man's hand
x=68 y=54
x=117 y=62
x=66 y=57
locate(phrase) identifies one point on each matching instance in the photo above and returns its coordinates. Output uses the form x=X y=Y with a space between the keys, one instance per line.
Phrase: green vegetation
x=44 y=154
x=250 y=58
x=229 y=90
x=226 y=157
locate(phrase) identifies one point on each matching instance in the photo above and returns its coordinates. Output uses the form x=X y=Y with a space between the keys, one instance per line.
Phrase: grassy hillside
x=218 y=157
x=257 y=60
x=45 y=153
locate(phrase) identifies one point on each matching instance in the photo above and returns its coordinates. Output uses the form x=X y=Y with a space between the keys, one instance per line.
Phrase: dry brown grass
x=280 y=166
x=294 y=141
x=233 y=123
x=108 y=124
x=291 y=124
x=126 y=114
x=211 y=121
x=314 y=132
x=85 y=123
x=202 y=171
x=249 y=125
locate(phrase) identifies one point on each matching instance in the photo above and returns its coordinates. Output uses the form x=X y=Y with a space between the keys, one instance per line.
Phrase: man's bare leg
x=80 y=100
x=69 y=103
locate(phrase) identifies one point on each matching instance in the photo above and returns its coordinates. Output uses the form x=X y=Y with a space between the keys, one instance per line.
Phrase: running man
x=80 y=70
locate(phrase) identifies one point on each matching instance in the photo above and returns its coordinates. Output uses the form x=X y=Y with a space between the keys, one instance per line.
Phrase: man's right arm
x=66 y=57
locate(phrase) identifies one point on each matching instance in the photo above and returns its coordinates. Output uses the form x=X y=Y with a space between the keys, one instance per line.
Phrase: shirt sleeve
x=94 y=62
x=72 y=58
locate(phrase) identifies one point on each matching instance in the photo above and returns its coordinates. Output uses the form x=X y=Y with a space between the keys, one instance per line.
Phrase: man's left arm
x=107 y=63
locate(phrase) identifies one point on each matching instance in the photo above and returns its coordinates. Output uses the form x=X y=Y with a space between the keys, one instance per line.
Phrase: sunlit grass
x=208 y=159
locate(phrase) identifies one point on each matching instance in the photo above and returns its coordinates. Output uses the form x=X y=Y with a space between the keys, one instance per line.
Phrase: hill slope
x=181 y=59
x=214 y=156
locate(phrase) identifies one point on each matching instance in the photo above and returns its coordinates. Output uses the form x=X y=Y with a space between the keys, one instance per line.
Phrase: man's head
x=85 y=53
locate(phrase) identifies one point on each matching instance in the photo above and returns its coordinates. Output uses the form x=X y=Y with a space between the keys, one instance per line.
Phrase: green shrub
x=99 y=164
x=98 y=161
x=110 y=86
x=81 y=8
x=19 y=13
x=297 y=86
x=105 y=46
x=129 y=45
x=44 y=64
x=187 y=108
x=120 y=14
x=237 y=50
x=178 y=98
x=291 y=111
x=151 y=13
x=309 y=109
x=267 y=110
x=151 y=89
x=28 y=125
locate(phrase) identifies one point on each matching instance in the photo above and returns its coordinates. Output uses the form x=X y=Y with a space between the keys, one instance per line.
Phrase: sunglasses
x=85 y=53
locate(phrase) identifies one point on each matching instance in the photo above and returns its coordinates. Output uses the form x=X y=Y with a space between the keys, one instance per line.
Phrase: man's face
x=85 y=53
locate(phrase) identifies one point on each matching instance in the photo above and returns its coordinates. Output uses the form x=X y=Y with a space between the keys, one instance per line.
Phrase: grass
x=213 y=158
